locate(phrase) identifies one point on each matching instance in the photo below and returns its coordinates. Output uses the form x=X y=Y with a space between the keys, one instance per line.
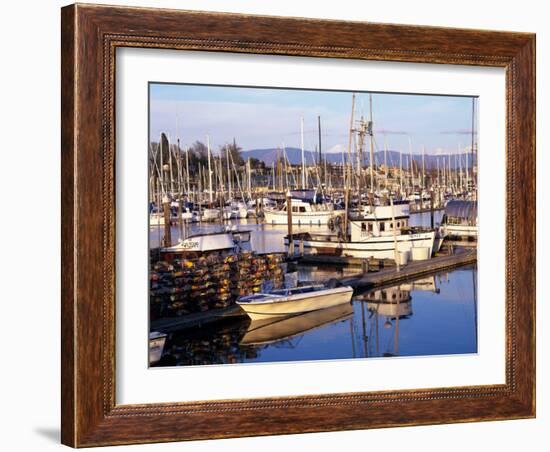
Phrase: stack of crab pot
x=185 y=286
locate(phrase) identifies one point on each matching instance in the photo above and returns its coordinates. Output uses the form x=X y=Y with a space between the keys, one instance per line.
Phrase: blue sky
x=267 y=117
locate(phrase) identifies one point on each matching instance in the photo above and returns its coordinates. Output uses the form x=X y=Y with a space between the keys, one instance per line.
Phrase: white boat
x=303 y=213
x=211 y=241
x=156 y=346
x=239 y=210
x=460 y=219
x=287 y=302
x=156 y=219
x=374 y=232
x=210 y=215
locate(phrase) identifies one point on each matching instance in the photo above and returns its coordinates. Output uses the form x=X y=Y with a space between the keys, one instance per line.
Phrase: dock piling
x=289 y=224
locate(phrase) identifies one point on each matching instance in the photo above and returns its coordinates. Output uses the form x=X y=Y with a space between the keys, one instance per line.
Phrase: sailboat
x=303 y=213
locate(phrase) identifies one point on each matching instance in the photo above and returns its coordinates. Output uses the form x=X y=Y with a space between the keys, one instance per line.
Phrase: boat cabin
x=378 y=221
x=459 y=212
x=299 y=206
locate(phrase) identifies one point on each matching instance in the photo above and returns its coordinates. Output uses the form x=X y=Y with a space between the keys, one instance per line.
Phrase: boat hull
x=374 y=247
x=459 y=230
x=298 y=304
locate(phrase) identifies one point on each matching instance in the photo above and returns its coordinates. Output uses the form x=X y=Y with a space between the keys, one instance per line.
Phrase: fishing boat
x=156 y=346
x=373 y=232
x=460 y=219
x=303 y=213
x=286 y=302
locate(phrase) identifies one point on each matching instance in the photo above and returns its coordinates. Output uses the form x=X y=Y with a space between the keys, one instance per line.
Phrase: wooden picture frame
x=90 y=36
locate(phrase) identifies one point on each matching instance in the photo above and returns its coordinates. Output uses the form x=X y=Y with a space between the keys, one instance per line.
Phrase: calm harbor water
x=428 y=316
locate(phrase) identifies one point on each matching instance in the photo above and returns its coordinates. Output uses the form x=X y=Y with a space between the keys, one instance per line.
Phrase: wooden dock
x=170 y=324
x=315 y=259
x=412 y=270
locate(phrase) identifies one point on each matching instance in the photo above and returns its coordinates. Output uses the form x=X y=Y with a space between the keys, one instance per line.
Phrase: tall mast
x=371 y=155
x=350 y=138
x=461 y=181
x=303 y=152
x=320 y=151
x=467 y=176
x=347 y=179
x=411 y=165
x=423 y=168
x=171 y=185
x=209 y=171
x=472 y=148
x=385 y=161
x=229 y=184
x=249 y=178
x=161 y=165
x=187 y=169
x=400 y=172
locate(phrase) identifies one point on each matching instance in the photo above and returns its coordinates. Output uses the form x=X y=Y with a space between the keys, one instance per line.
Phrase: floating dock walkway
x=361 y=282
x=412 y=270
x=170 y=324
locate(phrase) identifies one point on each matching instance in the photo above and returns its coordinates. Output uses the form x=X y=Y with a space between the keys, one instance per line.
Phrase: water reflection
x=428 y=316
x=268 y=331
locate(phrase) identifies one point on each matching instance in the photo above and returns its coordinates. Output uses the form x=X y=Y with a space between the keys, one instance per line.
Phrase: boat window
x=398 y=225
x=284 y=209
x=382 y=227
x=370 y=227
x=391 y=225
x=295 y=209
x=302 y=209
x=363 y=227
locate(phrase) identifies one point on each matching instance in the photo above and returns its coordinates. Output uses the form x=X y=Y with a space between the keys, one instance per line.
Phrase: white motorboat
x=211 y=241
x=156 y=346
x=156 y=219
x=375 y=232
x=210 y=215
x=239 y=210
x=303 y=213
x=287 y=302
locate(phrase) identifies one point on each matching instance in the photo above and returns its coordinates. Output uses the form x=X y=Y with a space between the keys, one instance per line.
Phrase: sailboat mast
x=371 y=156
x=209 y=171
x=423 y=168
x=400 y=172
x=322 y=176
x=472 y=147
x=187 y=169
x=303 y=152
x=249 y=178
x=411 y=163
x=229 y=184
x=385 y=161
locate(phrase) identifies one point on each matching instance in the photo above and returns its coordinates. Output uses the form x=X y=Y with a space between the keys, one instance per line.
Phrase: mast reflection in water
x=429 y=316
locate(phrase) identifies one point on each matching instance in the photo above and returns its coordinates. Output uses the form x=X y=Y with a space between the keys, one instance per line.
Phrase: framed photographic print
x=281 y=225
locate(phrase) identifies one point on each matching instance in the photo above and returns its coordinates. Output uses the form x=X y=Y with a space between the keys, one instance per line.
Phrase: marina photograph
x=300 y=225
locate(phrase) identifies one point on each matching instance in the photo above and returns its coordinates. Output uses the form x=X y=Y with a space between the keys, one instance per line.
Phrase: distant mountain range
x=294 y=156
